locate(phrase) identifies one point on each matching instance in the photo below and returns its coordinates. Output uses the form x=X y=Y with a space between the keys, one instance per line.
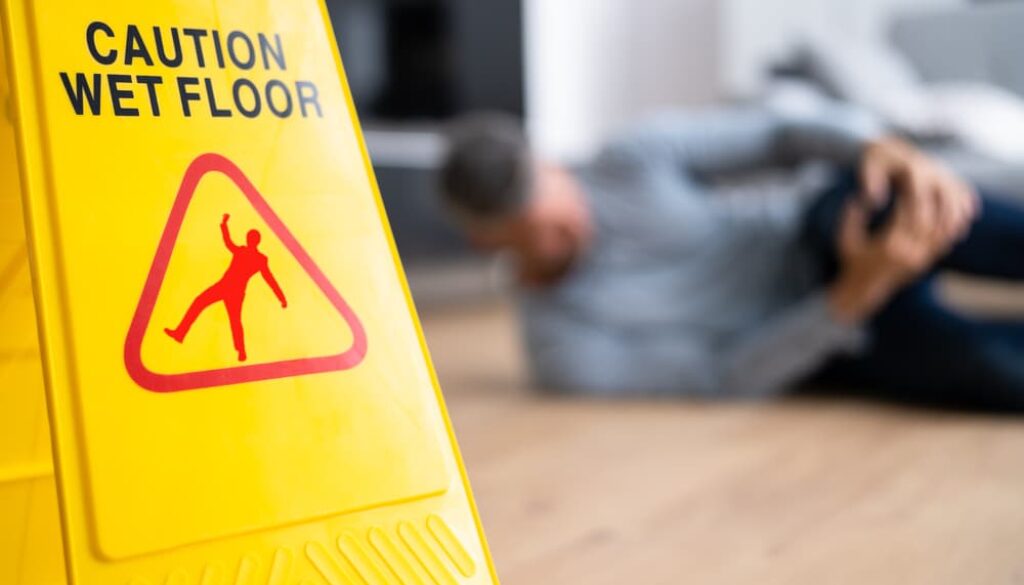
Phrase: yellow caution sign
x=238 y=389
x=30 y=545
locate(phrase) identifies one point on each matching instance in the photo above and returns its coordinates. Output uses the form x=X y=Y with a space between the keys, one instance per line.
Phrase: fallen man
x=641 y=274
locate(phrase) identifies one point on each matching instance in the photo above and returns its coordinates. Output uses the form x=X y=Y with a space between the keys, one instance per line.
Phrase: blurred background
x=577 y=70
x=792 y=492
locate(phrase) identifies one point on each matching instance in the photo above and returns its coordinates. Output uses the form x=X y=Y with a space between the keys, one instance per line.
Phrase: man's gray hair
x=488 y=171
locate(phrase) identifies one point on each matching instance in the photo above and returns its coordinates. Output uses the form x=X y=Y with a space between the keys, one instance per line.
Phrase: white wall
x=593 y=65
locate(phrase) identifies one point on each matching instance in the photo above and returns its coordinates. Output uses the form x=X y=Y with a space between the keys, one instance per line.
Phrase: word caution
x=127 y=81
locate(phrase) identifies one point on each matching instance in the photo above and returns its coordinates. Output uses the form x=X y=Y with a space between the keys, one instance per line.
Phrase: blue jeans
x=920 y=350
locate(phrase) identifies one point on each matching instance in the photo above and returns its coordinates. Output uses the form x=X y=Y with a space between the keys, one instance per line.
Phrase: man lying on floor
x=642 y=274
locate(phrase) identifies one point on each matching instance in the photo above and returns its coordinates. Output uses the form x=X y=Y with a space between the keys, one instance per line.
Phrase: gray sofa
x=980 y=42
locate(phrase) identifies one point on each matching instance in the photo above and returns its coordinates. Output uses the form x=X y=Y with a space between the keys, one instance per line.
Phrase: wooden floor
x=794 y=492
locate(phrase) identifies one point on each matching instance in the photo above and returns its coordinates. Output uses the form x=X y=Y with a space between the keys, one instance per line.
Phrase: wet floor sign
x=237 y=387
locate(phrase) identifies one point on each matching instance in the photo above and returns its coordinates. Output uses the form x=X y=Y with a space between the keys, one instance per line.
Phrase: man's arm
x=786 y=349
x=730 y=140
x=226 y=235
x=268 y=276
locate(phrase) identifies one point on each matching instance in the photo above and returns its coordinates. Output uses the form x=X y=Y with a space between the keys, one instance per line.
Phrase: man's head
x=252 y=238
x=506 y=199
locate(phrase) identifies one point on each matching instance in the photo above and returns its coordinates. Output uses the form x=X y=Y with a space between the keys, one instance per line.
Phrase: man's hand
x=224 y=220
x=933 y=210
x=892 y=167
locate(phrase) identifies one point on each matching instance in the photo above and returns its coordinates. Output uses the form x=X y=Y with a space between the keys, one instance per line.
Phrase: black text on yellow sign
x=132 y=95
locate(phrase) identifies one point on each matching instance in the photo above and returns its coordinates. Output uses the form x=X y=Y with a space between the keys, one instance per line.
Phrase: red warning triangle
x=156 y=382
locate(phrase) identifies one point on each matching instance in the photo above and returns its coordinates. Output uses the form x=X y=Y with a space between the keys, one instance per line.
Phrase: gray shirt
x=693 y=287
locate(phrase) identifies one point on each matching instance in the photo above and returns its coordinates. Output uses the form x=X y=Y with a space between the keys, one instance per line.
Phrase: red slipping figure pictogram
x=246 y=261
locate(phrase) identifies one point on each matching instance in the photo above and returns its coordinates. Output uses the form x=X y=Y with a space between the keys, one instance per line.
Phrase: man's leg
x=922 y=352
x=234 y=307
x=821 y=222
x=993 y=248
x=995 y=245
x=204 y=300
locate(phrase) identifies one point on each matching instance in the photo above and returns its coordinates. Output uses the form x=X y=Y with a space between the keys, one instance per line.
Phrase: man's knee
x=821 y=224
